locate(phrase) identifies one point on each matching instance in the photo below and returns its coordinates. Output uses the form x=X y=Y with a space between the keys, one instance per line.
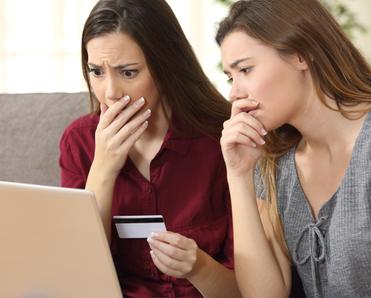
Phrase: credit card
x=138 y=226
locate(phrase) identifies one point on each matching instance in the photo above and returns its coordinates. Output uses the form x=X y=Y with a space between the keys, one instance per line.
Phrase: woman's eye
x=129 y=73
x=246 y=69
x=96 y=72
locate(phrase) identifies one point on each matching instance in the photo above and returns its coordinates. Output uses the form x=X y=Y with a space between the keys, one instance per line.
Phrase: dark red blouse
x=188 y=186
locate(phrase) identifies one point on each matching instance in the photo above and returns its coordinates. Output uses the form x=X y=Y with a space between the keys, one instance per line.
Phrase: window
x=40 y=42
x=40 y=45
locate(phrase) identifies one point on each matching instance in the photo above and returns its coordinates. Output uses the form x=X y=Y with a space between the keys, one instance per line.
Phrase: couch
x=30 y=128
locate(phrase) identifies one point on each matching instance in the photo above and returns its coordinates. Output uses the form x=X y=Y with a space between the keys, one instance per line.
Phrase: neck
x=325 y=129
x=158 y=125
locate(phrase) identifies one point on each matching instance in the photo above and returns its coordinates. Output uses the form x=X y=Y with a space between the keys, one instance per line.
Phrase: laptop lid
x=52 y=244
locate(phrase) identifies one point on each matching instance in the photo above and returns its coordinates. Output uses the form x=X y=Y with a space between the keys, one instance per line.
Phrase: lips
x=253 y=112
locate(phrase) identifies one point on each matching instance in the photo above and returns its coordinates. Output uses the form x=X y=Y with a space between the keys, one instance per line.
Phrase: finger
x=111 y=112
x=168 y=249
x=243 y=105
x=163 y=268
x=126 y=114
x=132 y=126
x=246 y=130
x=231 y=140
x=130 y=140
x=174 y=239
x=103 y=109
x=168 y=261
x=247 y=119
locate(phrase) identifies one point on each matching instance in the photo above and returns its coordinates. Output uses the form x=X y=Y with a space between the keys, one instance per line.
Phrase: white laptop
x=53 y=245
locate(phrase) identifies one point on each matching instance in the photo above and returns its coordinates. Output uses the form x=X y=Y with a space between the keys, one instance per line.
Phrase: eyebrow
x=238 y=61
x=115 y=67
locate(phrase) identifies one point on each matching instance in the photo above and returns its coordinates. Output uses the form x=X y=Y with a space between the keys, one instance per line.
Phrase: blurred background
x=40 y=39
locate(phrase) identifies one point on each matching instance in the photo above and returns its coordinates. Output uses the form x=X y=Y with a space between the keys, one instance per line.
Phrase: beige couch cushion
x=30 y=128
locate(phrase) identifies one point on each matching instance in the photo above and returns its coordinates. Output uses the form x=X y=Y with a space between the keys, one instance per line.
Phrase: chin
x=268 y=122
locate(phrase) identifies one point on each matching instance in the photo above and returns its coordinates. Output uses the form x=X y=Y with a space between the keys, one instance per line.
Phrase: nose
x=114 y=90
x=236 y=91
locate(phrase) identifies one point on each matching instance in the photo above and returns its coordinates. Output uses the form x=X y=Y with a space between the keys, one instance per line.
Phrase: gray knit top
x=333 y=253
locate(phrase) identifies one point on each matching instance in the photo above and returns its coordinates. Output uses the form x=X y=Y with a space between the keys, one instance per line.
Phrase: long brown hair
x=184 y=87
x=339 y=71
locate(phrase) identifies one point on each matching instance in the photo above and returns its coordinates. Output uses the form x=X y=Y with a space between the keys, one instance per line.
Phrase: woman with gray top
x=299 y=140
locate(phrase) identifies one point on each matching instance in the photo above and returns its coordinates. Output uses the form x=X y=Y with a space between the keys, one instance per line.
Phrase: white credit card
x=138 y=226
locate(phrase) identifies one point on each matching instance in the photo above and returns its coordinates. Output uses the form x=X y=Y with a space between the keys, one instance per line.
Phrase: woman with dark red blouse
x=151 y=146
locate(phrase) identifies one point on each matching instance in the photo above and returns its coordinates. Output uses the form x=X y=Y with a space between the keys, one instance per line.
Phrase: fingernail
x=139 y=102
x=263 y=132
x=148 y=112
x=126 y=98
x=253 y=101
x=262 y=141
x=153 y=234
x=149 y=239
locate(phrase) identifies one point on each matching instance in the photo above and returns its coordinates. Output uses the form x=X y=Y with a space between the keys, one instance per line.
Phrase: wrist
x=198 y=272
x=239 y=175
x=98 y=176
x=101 y=173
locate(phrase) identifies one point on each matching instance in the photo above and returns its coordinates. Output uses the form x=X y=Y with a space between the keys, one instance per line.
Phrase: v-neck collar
x=330 y=201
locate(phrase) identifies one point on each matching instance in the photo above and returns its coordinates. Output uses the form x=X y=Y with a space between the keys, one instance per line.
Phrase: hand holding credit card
x=138 y=226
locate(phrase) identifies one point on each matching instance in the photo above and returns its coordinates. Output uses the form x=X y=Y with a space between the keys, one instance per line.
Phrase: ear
x=298 y=62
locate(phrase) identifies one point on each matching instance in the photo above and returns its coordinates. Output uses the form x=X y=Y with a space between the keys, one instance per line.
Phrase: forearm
x=257 y=270
x=213 y=279
x=102 y=187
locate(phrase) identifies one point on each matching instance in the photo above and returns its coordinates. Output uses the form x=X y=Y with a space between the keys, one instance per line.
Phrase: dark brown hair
x=339 y=71
x=183 y=86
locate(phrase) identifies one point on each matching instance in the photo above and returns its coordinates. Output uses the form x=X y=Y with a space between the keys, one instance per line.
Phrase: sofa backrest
x=30 y=128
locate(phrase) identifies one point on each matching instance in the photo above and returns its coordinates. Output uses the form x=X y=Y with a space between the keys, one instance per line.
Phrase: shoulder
x=88 y=121
x=284 y=175
x=204 y=153
x=82 y=128
x=364 y=137
x=207 y=141
x=206 y=147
